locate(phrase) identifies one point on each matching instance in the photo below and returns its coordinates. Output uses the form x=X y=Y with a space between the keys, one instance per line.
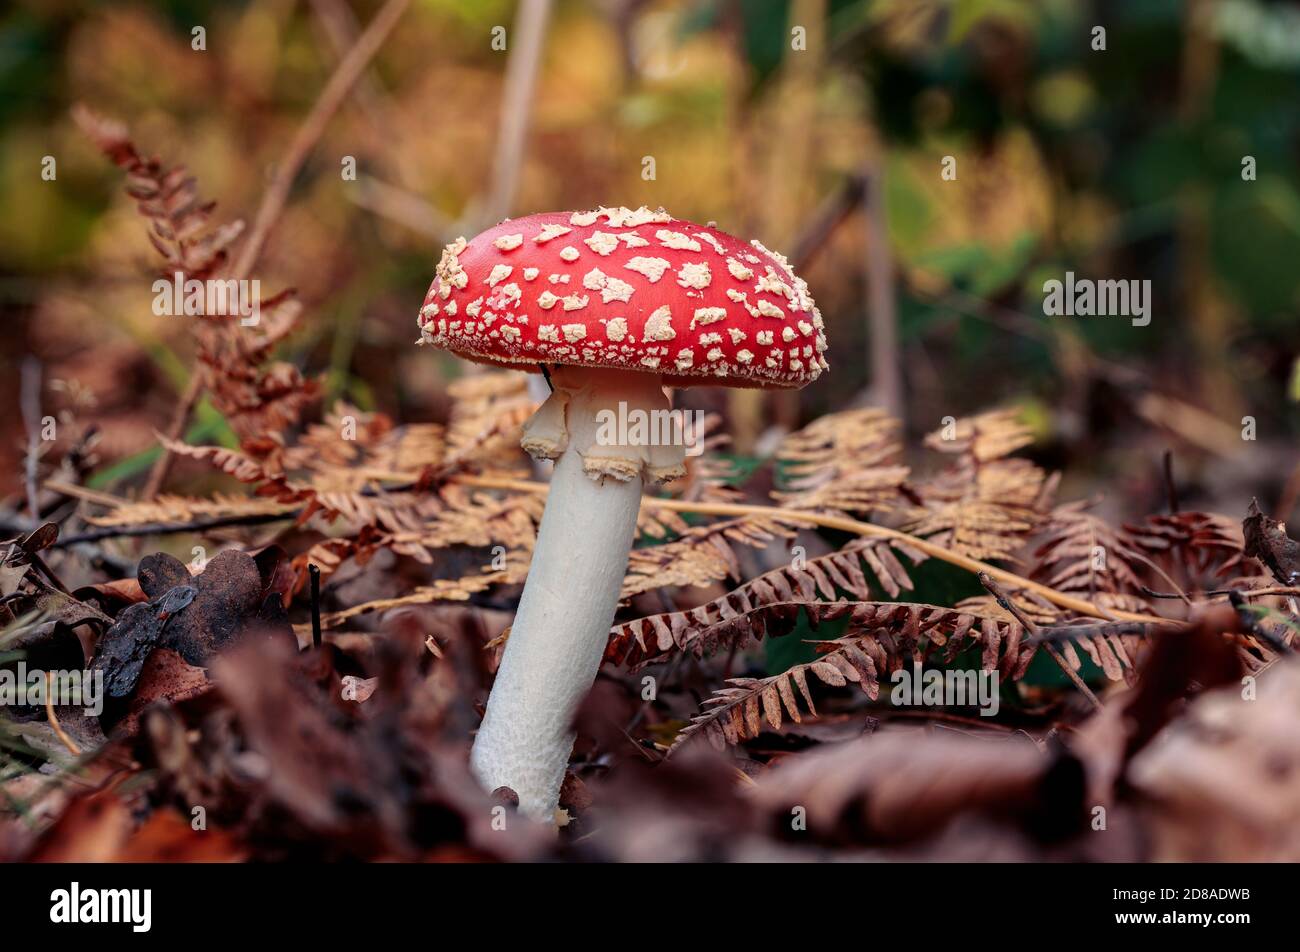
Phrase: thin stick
x=948 y=718
x=1178 y=590
x=314 y=571
x=30 y=386
x=74 y=491
x=170 y=528
x=341 y=29
x=882 y=311
x=1171 y=489
x=1254 y=592
x=43 y=567
x=1028 y=623
x=830 y=214
x=528 y=32
x=336 y=90
x=1060 y=599
x=331 y=97
x=175 y=430
x=406 y=208
x=67 y=741
x=1055 y=633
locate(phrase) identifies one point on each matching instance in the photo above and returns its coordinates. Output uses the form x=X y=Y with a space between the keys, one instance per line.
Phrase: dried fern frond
x=328 y=555
x=1196 y=544
x=409 y=449
x=351 y=449
x=337 y=470
x=420 y=526
x=984 y=437
x=642 y=640
x=845 y=461
x=484 y=392
x=459 y=516
x=709 y=477
x=1082 y=553
x=1037 y=611
x=486 y=422
x=254 y=396
x=702 y=554
x=181 y=224
x=269 y=479
x=342 y=439
x=440 y=590
x=882 y=637
x=982 y=506
x=659 y=524
x=1115 y=655
x=986 y=515
x=165 y=509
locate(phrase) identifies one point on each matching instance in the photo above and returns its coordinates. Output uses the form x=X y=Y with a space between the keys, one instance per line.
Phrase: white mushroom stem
x=572 y=592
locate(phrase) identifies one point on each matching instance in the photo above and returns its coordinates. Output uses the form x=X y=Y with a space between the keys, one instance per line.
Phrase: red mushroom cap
x=634 y=289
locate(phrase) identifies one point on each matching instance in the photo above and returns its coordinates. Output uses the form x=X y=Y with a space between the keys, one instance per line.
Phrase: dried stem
x=31 y=411
x=882 y=310
x=336 y=90
x=516 y=108
x=1060 y=599
x=829 y=215
x=314 y=571
x=1028 y=624
x=67 y=741
x=171 y=528
x=1171 y=489
x=842 y=523
x=331 y=97
x=175 y=430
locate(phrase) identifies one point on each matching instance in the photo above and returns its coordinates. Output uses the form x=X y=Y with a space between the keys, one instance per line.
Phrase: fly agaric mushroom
x=618 y=304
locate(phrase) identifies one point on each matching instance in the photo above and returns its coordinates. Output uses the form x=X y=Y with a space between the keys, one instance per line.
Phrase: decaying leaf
x=195 y=616
x=1224 y=780
x=1266 y=540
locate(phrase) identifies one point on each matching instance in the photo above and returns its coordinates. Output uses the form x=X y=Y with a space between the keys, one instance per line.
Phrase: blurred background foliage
x=1117 y=163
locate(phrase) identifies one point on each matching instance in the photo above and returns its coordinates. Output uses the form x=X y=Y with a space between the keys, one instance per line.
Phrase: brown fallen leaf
x=237 y=596
x=1179 y=664
x=49 y=639
x=165 y=677
x=92 y=830
x=284 y=763
x=1267 y=541
x=1223 y=782
x=901 y=784
x=168 y=837
x=113 y=596
x=124 y=649
x=686 y=809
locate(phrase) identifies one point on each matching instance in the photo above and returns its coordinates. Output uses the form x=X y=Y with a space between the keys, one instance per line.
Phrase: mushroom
x=617 y=304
